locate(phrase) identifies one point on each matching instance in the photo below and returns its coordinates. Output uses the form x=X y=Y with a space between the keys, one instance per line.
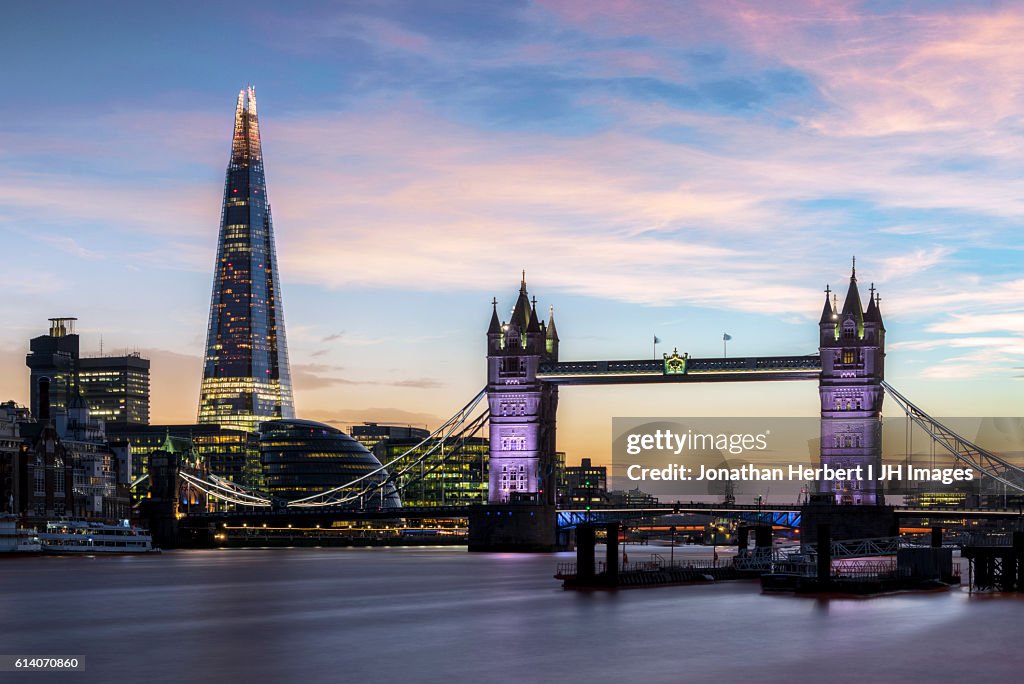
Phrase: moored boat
x=91 y=538
x=17 y=541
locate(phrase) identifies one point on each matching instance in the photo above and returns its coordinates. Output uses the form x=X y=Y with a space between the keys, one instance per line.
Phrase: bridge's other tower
x=852 y=347
x=522 y=407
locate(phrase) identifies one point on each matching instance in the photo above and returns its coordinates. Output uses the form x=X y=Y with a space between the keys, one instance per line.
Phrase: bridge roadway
x=677 y=368
x=780 y=514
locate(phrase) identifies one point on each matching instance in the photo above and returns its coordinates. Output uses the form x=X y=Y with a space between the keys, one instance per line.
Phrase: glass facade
x=116 y=388
x=446 y=477
x=230 y=453
x=302 y=457
x=246 y=377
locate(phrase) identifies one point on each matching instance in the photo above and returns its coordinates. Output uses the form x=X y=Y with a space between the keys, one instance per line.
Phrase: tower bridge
x=524 y=373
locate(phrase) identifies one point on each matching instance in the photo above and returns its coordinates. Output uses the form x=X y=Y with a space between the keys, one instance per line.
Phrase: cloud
x=970 y=323
x=725 y=155
x=71 y=246
x=313 y=376
x=354 y=416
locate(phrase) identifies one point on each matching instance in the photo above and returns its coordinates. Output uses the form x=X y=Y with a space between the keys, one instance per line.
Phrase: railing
x=655 y=564
x=986 y=539
x=858 y=548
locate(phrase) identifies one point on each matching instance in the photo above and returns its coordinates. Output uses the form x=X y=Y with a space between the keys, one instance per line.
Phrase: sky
x=657 y=168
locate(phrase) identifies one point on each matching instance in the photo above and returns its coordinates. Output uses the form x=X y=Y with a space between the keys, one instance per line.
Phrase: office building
x=303 y=458
x=246 y=378
x=116 y=388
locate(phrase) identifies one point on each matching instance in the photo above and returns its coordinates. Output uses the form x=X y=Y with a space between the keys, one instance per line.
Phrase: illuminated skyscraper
x=246 y=378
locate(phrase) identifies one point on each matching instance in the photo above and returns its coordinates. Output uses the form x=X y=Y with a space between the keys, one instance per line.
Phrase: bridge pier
x=848 y=521
x=513 y=527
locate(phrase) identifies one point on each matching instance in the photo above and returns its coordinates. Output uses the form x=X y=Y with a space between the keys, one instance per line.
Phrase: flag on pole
x=657 y=340
x=726 y=337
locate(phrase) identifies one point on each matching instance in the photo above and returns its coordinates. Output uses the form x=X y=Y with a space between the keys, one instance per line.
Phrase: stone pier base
x=517 y=527
x=848 y=522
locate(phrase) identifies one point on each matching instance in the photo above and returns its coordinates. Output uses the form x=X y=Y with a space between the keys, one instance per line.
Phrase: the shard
x=246 y=378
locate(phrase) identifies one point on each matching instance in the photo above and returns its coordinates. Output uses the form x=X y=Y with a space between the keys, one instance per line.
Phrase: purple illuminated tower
x=852 y=350
x=522 y=422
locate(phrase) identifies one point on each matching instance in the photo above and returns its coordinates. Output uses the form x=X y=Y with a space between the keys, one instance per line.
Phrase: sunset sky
x=670 y=168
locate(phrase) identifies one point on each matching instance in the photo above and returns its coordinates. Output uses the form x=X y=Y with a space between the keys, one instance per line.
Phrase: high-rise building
x=54 y=356
x=246 y=378
x=116 y=388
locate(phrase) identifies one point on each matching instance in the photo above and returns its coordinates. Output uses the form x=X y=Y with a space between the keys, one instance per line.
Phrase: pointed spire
x=828 y=313
x=245 y=145
x=552 y=332
x=521 y=313
x=852 y=306
x=873 y=314
x=534 y=325
x=495 y=326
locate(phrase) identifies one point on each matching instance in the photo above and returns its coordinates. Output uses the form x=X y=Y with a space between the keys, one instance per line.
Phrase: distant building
x=67 y=469
x=116 y=388
x=227 y=452
x=631 y=497
x=302 y=458
x=11 y=417
x=371 y=434
x=446 y=476
x=585 y=484
x=443 y=478
x=54 y=356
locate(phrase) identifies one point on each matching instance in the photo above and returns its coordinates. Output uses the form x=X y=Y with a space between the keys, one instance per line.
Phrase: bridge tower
x=522 y=423
x=852 y=347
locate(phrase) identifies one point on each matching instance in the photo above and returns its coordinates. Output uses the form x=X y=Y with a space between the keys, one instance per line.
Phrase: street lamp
x=672 y=549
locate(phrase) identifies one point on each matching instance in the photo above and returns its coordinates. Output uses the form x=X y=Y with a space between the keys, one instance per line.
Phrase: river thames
x=445 y=615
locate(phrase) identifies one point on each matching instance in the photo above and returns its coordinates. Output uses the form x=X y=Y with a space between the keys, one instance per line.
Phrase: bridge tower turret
x=852 y=347
x=522 y=423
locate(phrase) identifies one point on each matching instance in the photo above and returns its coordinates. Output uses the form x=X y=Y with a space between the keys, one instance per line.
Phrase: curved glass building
x=303 y=458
